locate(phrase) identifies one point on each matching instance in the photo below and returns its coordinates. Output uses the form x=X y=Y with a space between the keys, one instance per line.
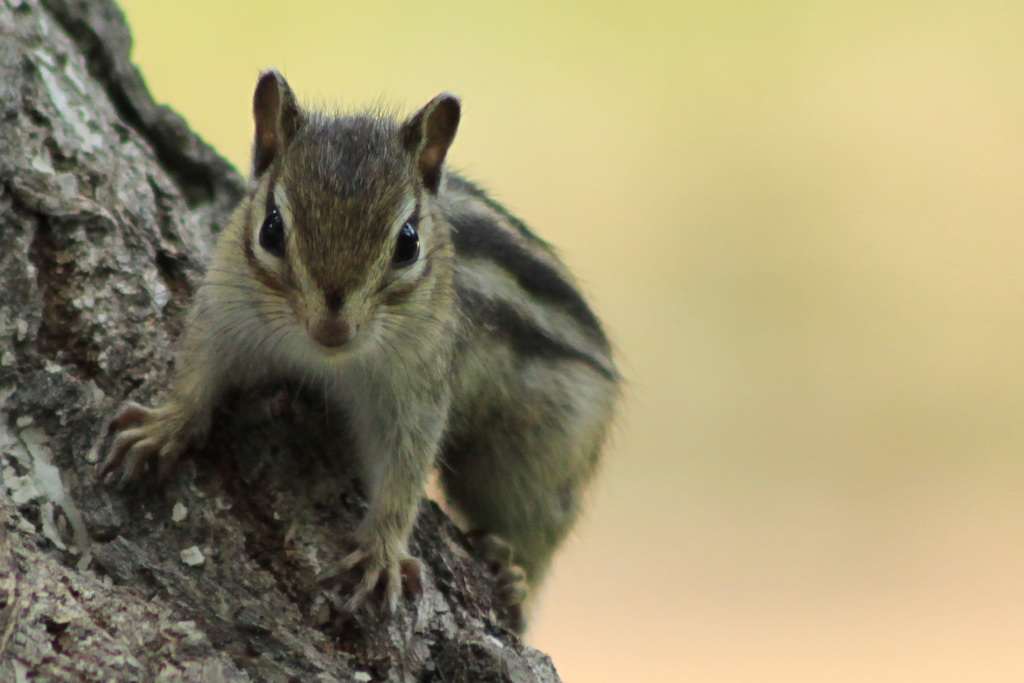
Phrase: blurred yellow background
x=803 y=223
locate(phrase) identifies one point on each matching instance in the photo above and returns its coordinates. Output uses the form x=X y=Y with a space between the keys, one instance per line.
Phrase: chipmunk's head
x=343 y=223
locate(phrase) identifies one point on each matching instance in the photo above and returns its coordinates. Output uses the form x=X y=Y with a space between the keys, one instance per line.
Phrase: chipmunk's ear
x=277 y=118
x=428 y=133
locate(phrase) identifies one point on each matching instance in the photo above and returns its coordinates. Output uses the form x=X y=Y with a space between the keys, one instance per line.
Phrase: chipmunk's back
x=533 y=383
x=511 y=284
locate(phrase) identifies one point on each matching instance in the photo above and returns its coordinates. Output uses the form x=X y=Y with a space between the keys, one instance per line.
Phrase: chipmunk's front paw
x=510 y=585
x=144 y=438
x=378 y=571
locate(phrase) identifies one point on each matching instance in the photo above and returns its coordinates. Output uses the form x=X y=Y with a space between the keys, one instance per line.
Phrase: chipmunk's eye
x=272 y=232
x=407 y=248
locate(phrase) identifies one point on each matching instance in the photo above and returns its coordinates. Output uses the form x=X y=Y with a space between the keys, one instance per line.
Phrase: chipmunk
x=447 y=332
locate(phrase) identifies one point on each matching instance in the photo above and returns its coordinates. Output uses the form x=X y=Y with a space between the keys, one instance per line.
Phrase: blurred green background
x=802 y=223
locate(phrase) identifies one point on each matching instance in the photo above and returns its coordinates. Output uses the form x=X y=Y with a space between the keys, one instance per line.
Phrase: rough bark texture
x=108 y=204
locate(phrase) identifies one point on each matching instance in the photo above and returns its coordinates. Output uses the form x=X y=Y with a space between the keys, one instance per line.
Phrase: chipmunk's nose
x=330 y=331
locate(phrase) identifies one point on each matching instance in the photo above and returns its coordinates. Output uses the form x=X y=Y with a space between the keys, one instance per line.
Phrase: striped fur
x=533 y=377
x=510 y=283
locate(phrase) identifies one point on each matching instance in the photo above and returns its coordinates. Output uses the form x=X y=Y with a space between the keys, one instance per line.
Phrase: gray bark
x=108 y=203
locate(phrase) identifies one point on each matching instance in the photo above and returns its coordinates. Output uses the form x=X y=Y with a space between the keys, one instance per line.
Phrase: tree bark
x=108 y=205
